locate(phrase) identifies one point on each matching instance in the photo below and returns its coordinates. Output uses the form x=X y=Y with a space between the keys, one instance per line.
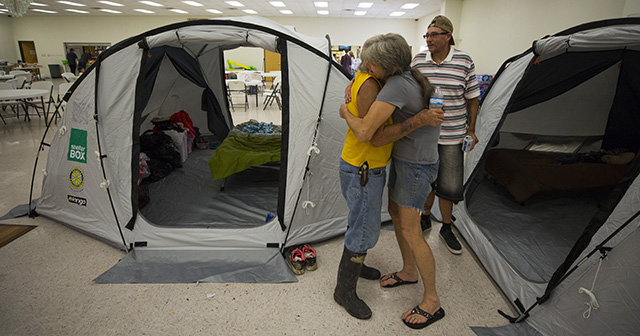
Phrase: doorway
x=28 y=52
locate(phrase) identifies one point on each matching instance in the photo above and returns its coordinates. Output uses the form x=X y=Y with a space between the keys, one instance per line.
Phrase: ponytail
x=427 y=87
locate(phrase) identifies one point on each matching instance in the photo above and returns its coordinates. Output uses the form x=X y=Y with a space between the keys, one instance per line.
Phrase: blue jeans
x=365 y=206
x=411 y=183
x=450 y=175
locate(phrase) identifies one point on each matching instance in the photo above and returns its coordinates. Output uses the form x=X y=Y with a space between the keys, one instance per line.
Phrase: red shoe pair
x=300 y=258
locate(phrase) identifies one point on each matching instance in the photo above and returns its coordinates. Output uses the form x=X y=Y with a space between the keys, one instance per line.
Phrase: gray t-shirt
x=405 y=93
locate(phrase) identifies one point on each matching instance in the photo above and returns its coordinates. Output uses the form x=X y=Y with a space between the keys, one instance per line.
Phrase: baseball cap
x=443 y=23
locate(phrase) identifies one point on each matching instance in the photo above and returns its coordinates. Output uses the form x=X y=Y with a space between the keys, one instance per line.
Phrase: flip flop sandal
x=439 y=314
x=399 y=281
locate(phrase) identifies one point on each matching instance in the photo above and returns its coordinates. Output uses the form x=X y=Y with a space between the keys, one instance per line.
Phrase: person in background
x=71 y=60
x=84 y=59
x=453 y=71
x=414 y=164
x=355 y=63
x=345 y=61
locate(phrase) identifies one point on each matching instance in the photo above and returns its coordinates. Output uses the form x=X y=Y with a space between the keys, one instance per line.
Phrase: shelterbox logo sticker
x=78 y=146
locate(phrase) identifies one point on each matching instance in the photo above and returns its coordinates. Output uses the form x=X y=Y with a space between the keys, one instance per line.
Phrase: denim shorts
x=411 y=182
x=450 y=175
x=365 y=206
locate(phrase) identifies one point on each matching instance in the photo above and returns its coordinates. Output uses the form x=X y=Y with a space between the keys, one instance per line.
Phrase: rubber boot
x=369 y=273
x=345 y=292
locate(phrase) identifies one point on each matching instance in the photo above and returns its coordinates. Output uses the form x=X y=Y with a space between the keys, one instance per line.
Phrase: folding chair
x=48 y=100
x=237 y=90
x=13 y=104
x=273 y=94
x=27 y=78
x=60 y=104
x=70 y=77
x=19 y=82
x=258 y=77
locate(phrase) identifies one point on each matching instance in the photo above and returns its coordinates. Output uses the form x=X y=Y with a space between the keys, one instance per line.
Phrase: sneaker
x=309 y=257
x=451 y=241
x=425 y=222
x=295 y=259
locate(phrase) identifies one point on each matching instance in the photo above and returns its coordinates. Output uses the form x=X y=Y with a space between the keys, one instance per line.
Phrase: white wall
x=50 y=32
x=8 y=44
x=352 y=31
x=491 y=31
x=246 y=56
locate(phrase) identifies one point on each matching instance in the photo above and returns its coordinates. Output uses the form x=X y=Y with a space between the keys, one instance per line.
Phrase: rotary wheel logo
x=76 y=179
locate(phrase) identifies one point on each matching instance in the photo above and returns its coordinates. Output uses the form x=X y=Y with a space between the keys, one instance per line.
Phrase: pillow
x=618 y=159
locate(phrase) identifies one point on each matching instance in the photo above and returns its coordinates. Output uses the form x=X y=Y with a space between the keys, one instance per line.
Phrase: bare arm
x=472 y=110
x=366 y=96
x=390 y=133
x=365 y=128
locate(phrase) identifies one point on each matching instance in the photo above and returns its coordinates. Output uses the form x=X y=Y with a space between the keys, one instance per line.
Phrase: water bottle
x=467 y=143
x=437 y=99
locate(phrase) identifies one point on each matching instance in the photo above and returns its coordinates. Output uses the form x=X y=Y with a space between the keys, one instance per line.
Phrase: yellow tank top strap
x=354 y=151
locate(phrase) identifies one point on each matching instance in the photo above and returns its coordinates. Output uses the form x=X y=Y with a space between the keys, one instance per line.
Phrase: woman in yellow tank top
x=362 y=178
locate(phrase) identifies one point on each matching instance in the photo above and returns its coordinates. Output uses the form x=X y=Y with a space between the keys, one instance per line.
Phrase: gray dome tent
x=576 y=92
x=182 y=65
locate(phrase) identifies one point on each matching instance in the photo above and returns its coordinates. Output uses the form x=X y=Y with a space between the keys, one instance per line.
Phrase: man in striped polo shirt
x=453 y=72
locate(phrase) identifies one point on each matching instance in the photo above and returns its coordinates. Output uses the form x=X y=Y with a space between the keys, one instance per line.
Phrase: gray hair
x=392 y=53
x=389 y=51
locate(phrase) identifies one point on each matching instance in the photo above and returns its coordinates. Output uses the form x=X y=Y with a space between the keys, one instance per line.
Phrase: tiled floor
x=46 y=285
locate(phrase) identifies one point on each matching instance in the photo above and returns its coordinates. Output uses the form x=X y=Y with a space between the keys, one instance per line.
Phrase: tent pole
x=313 y=142
x=101 y=156
x=31 y=212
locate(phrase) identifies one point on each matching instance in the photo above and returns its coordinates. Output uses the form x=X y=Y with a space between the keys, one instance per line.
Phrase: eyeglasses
x=426 y=36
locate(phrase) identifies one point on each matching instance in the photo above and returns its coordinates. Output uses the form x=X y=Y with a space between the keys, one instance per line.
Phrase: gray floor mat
x=534 y=238
x=189 y=197
x=169 y=266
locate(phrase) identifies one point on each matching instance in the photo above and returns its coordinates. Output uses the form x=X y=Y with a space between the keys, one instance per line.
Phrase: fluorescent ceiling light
x=360 y=13
x=365 y=5
x=323 y=12
x=38 y=4
x=38 y=10
x=77 y=11
x=249 y=11
x=397 y=14
x=235 y=3
x=71 y=3
x=286 y=11
x=193 y=3
x=144 y=11
x=179 y=11
x=151 y=3
x=321 y=4
x=110 y=3
x=277 y=4
x=110 y=11
x=410 y=5
x=214 y=11
x=6 y=10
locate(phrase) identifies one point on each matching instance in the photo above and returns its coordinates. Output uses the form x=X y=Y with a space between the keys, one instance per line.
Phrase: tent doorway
x=196 y=194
